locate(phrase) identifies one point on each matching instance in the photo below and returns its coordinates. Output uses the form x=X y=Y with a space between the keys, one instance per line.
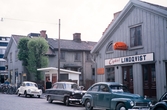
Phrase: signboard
x=100 y=71
x=130 y=59
x=120 y=46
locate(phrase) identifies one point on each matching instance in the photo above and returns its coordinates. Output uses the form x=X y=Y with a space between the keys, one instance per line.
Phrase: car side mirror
x=81 y=87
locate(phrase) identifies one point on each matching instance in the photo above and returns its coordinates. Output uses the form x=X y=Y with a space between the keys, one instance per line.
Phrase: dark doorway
x=149 y=80
x=127 y=75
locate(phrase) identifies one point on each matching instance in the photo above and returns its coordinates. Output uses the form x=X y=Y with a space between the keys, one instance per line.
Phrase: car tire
x=88 y=105
x=160 y=108
x=25 y=93
x=49 y=99
x=66 y=101
x=18 y=94
x=39 y=96
x=121 y=106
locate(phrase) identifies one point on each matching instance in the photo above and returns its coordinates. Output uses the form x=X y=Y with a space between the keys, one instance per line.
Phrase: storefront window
x=110 y=74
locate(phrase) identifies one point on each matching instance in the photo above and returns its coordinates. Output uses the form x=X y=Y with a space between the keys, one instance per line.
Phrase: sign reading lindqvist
x=130 y=59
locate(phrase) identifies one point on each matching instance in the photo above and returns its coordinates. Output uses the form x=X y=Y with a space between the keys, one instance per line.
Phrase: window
x=88 y=57
x=62 y=55
x=11 y=57
x=135 y=36
x=77 y=56
x=3 y=44
x=110 y=74
x=2 y=51
x=95 y=88
x=109 y=47
x=16 y=57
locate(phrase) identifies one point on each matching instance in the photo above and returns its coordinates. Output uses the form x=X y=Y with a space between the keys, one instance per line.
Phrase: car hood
x=126 y=95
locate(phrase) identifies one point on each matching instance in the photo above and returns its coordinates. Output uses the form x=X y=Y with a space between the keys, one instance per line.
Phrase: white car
x=29 y=88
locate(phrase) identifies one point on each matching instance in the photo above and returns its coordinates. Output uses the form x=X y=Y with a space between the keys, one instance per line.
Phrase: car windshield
x=72 y=86
x=31 y=84
x=118 y=88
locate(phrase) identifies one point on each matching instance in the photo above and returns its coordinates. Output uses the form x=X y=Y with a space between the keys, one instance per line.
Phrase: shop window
x=110 y=74
x=135 y=36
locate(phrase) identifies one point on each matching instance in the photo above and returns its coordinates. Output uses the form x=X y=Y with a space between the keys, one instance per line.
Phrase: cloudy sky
x=88 y=17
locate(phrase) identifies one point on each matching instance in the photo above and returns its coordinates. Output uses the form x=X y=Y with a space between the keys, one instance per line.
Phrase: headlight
x=29 y=90
x=73 y=93
x=131 y=103
x=150 y=104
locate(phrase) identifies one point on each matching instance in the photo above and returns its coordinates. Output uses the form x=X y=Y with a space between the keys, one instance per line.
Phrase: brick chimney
x=43 y=34
x=77 y=37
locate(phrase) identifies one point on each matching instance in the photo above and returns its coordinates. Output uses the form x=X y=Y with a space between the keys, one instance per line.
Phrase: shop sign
x=120 y=46
x=130 y=59
x=100 y=71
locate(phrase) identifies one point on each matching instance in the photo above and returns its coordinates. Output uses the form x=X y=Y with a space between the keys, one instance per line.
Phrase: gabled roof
x=160 y=10
x=71 y=44
x=14 y=39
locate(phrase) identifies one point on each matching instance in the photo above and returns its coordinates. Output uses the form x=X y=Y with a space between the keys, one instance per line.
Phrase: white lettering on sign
x=130 y=59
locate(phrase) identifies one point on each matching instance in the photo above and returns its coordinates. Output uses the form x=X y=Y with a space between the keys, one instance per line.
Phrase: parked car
x=67 y=92
x=114 y=96
x=29 y=88
x=162 y=103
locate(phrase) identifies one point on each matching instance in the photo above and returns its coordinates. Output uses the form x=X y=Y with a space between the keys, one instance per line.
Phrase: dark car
x=113 y=96
x=162 y=103
x=67 y=92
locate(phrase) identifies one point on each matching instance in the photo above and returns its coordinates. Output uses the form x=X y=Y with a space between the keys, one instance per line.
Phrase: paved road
x=13 y=102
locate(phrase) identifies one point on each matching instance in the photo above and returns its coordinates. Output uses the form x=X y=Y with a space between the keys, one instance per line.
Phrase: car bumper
x=75 y=100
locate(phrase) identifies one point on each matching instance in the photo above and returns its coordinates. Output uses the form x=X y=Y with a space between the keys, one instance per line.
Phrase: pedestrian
x=48 y=84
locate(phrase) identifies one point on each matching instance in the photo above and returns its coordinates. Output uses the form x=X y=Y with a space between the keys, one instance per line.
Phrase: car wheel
x=88 y=105
x=18 y=93
x=66 y=102
x=121 y=106
x=160 y=108
x=25 y=93
x=49 y=99
x=39 y=96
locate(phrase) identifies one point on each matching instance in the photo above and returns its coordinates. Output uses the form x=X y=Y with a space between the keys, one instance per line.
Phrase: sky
x=88 y=17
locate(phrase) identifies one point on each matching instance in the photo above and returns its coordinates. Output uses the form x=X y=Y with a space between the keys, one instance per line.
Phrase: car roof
x=28 y=82
x=109 y=83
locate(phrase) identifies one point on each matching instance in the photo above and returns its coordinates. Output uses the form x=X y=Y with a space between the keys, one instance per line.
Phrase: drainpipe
x=93 y=60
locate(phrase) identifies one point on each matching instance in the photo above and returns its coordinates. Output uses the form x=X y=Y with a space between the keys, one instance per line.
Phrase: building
x=3 y=64
x=133 y=49
x=74 y=56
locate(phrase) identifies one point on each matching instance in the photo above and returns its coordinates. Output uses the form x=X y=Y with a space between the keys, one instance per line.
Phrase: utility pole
x=59 y=54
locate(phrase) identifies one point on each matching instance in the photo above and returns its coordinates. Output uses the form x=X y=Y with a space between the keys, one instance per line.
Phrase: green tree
x=36 y=56
x=23 y=50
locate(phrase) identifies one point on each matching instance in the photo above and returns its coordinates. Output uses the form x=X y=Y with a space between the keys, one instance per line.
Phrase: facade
x=139 y=58
x=3 y=64
x=74 y=56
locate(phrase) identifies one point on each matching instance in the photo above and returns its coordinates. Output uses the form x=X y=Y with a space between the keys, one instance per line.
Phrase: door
x=149 y=80
x=104 y=97
x=127 y=75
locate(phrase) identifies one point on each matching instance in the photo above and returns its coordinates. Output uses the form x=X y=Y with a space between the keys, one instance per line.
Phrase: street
x=13 y=102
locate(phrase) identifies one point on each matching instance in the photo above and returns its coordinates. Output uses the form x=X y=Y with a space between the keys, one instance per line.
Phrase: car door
x=93 y=92
x=103 y=96
x=22 y=88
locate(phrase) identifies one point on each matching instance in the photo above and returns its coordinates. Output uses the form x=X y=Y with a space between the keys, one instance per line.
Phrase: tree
x=23 y=50
x=32 y=53
x=36 y=56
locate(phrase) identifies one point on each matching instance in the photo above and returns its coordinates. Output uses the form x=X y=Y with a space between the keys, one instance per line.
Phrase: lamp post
x=59 y=54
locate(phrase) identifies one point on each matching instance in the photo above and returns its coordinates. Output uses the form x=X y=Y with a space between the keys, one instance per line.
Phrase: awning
x=120 y=46
x=56 y=70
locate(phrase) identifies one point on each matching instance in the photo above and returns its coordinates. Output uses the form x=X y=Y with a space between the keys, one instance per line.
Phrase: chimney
x=43 y=34
x=77 y=37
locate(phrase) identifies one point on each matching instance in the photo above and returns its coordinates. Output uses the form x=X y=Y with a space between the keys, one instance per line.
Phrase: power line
x=2 y=19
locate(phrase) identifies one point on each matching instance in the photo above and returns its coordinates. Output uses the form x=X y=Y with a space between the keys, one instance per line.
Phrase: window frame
x=136 y=37
x=109 y=47
x=77 y=56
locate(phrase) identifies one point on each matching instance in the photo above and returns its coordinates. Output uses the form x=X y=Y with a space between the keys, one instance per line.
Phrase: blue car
x=113 y=96
x=162 y=103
